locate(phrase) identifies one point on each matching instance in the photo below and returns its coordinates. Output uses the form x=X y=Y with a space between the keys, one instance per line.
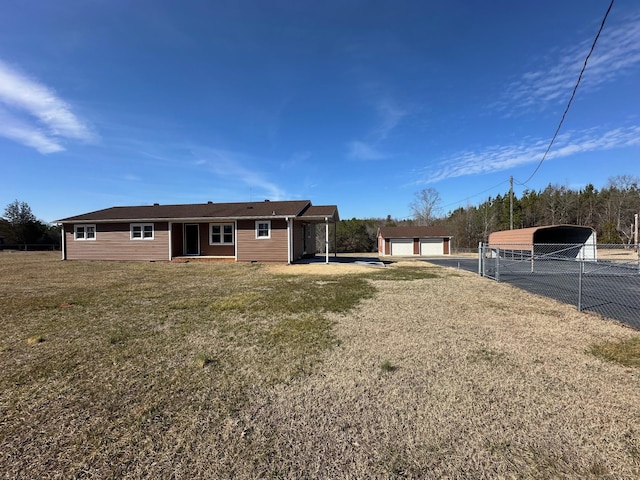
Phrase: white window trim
x=84 y=236
x=142 y=225
x=268 y=222
x=222 y=225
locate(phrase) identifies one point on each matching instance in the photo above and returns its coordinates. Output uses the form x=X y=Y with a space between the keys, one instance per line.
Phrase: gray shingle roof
x=321 y=212
x=205 y=211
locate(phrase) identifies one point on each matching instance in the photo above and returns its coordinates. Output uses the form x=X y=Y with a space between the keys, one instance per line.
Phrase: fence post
x=497 y=264
x=580 y=271
x=533 y=255
x=480 y=254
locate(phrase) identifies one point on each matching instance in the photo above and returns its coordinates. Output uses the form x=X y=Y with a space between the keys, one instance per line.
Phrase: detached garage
x=413 y=241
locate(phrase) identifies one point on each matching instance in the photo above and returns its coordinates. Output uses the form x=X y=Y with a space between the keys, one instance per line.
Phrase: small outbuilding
x=570 y=241
x=413 y=241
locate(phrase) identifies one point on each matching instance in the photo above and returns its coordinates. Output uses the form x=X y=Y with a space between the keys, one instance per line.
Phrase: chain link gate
x=600 y=278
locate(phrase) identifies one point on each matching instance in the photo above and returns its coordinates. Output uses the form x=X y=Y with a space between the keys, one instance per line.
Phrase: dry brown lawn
x=153 y=370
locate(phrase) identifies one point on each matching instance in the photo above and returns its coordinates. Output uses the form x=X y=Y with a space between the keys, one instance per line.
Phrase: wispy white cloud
x=296 y=160
x=236 y=166
x=35 y=116
x=387 y=115
x=390 y=115
x=358 y=150
x=15 y=129
x=500 y=158
x=617 y=53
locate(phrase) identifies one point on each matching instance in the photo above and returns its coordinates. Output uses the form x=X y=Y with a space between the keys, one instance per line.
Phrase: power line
x=566 y=110
x=442 y=207
x=573 y=94
x=474 y=195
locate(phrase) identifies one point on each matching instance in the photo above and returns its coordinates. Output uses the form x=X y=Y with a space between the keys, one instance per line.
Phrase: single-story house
x=569 y=241
x=278 y=231
x=413 y=241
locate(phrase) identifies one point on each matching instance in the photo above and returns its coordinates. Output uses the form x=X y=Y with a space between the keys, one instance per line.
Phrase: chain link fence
x=604 y=279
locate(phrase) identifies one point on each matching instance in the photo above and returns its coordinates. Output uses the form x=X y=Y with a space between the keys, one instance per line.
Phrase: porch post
x=289 y=253
x=326 y=240
x=170 y=240
x=63 y=245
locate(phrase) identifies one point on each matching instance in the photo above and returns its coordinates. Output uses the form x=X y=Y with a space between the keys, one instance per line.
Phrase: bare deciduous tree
x=426 y=206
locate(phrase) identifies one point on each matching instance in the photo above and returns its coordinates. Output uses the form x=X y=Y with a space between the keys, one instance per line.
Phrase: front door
x=192 y=239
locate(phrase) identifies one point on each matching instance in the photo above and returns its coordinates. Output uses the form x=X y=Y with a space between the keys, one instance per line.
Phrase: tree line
x=19 y=226
x=610 y=211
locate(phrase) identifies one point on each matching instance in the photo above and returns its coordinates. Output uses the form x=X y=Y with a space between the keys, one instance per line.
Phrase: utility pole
x=511 y=202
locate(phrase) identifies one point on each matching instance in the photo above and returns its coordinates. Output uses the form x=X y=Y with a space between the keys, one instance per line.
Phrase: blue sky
x=354 y=103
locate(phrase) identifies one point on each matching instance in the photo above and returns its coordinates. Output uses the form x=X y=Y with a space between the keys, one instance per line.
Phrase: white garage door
x=402 y=246
x=431 y=246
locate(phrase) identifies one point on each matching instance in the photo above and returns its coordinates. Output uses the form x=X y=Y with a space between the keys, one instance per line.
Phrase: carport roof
x=527 y=236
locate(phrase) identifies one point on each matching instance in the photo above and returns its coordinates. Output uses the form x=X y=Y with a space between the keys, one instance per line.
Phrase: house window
x=142 y=231
x=263 y=229
x=221 y=234
x=84 y=232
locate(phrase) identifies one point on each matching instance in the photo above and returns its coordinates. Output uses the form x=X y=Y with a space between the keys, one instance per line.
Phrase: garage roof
x=413 y=232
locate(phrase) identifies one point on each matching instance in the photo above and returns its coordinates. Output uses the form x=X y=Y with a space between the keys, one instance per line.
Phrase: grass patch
x=203 y=359
x=387 y=367
x=407 y=273
x=625 y=352
x=156 y=370
x=122 y=363
x=487 y=355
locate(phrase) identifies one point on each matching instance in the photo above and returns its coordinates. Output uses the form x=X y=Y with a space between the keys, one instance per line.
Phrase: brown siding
x=113 y=242
x=251 y=249
x=216 y=250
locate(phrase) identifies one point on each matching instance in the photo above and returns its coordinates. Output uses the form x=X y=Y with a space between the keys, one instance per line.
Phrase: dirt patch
x=339 y=268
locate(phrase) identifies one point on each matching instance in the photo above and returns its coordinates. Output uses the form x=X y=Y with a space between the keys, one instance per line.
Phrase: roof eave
x=173 y=219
